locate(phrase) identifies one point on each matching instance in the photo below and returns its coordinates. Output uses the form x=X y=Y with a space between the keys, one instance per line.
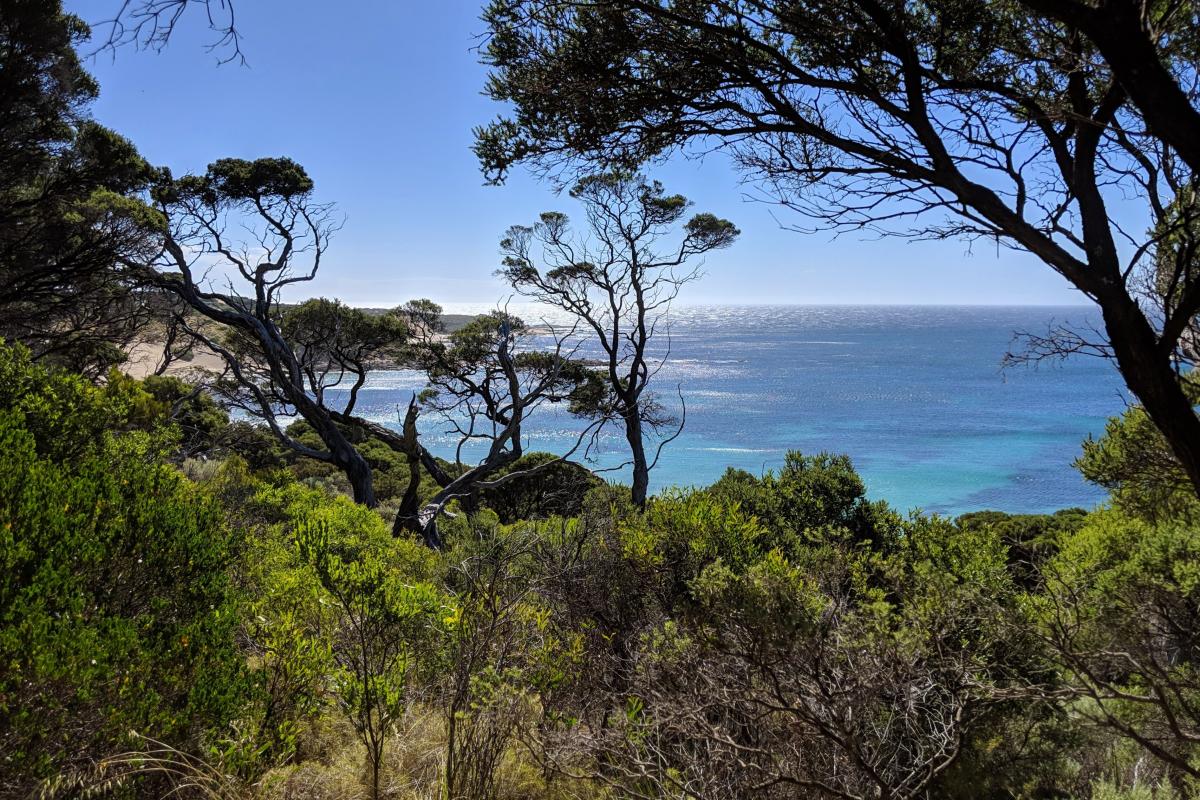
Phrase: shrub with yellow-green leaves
x=389 y=629
x=1121 y=613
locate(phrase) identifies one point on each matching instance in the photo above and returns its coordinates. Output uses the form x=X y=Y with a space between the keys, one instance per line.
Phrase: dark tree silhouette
x=485 y=380
x=270 y=200
x=618 y=284
x=1150 y=48
x=151 y=24
x=939 y=119
x=68 y=190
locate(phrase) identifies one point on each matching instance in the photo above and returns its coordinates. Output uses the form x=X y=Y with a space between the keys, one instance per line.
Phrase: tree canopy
x=938 y=119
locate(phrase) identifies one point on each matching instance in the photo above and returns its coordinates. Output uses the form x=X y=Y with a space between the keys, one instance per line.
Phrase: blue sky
x=377 y=100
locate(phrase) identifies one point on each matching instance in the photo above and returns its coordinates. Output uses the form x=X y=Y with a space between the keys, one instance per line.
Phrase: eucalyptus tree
x=1151 y=49
x=311 y=360
x=485 y=380
x=937 y=119
x=286 y=235
x=617 y=283
x=336 y=344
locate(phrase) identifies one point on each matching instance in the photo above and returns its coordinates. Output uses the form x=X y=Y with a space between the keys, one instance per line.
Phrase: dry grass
x=188 y=776
x=331 y=765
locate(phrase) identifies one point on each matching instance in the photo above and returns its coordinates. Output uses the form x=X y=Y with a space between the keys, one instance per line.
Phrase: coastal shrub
x=499 y=651
x=1135 y=464
x=387 y=636
x=710 y=657
x=1121 y=613
x=254 y=444
x=1031 y=539
x=116 y=609
x=557 y=490
x=812 y=498
x=68 y=415
x=389 y=468
x=201 y=421
x=294 y=630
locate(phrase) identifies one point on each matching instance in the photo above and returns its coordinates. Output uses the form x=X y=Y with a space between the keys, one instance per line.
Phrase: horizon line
x=759 y=304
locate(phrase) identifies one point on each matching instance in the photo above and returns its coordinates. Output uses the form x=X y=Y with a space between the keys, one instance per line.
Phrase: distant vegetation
x=229 y=584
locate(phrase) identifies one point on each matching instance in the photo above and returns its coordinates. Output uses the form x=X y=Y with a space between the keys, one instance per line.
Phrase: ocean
x=915 y=395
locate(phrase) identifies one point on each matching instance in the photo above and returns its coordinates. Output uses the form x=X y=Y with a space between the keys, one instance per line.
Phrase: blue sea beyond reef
x=914 y=394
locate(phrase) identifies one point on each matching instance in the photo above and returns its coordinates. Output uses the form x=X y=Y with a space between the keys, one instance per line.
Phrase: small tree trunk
x=451 y=737
x=358 y=472
x=637 y=452
x=406 y=515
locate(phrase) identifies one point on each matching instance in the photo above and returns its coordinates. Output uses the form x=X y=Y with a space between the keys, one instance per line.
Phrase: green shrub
x=557 y=490
x=116 y=611
x=813 y=498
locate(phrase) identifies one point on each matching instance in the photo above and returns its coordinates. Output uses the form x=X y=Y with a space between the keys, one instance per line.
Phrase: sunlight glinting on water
x=914 y=395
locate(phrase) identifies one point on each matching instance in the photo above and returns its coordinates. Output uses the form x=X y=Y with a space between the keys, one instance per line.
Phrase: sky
x=377 y=100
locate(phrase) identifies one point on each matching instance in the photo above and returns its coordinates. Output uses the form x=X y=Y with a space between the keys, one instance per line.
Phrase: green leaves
x=1135 y=463
x=239 y=179
x=116 y=609
x=389 y=629
x=708 y=232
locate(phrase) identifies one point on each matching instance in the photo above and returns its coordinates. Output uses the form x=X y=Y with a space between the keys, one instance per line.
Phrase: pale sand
x=145 y=356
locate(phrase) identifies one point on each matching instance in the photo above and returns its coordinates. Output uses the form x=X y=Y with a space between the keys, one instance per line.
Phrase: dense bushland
x=172 y=612
x=192 y=604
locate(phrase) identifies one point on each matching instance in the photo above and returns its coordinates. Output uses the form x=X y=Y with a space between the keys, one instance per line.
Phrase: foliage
x=1120 y=612
x=1135 y=463
x=556 y=489
x=389 y=633
x=813 y=498
x=695 y=622
x=202 y=422
x=68 y=187
x=116 y=610
x=1030 y=539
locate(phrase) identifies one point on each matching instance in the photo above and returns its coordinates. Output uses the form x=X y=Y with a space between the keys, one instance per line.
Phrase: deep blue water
x=914 y=394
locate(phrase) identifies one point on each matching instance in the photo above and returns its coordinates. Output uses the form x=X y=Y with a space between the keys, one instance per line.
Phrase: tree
x=68 y=207
x=288 y=235
x=312 y=359
x=1151 y=49
x=335 y=343
x=388 y=629
x=151 y=23
x=936 y=119
x=485 y=380
x=619 y=289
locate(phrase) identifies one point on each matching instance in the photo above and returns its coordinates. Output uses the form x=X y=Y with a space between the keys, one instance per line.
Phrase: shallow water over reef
x=914 y=394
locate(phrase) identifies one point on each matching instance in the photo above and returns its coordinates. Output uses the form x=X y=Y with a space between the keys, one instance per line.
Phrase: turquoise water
x=915 y=396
